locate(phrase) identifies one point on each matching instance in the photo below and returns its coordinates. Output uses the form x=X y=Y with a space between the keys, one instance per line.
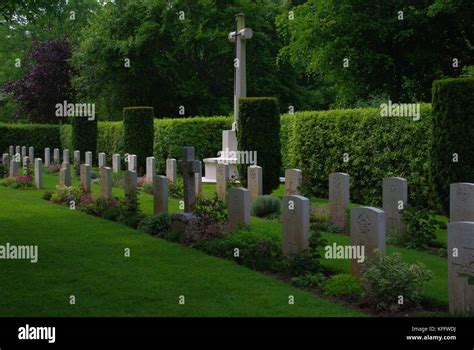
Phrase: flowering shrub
x=211 y=217
x=18 y=182
x=64 y=195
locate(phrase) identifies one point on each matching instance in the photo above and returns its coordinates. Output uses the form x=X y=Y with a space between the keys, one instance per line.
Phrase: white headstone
x=116 y=163
x=239 y=207
x=102 y=160
x=47 y=157
x=160 y=194
x=23 y=152
x=56 y=159
x=460 y=266
x=129 y=182
x=293 y=182
x=106 y=182
x=222 y=178
x=14 y=167
x=18 y=150
x=150 y=168
x=461 y=202
x=339 y=199
x=295 y=220
x=367 y=230
x=86 y=177
x=255 y=181
x=172 y=170
x=66 y=156
x=88 y=158
x=11 y=151
x=395 y=198
x=38 y=173
x=132 y=162
x=65 y=175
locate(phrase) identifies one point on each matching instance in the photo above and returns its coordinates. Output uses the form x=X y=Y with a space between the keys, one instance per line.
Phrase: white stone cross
x=240 y=86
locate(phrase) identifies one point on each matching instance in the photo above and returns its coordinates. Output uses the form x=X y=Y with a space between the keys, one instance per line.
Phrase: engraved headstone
x=88 y=158
x=367 y=230
x=18 y=150
x=86 y=177
x=47 y=157
x=129 y=182
x=102 y=160
x=132 y=162
x=461 y=202
x=38 y=173
x=31 y=154
x=11 y=151
x=395 y=198
x=339 y=199
x=116 y=163
x=238 y=203
x=222 y=179
x=66 y=156
x=150 y=168
x=14 y=167
x=106 y=182
x=23 y=152
x=56 y=159
x=77 y=162
x=65 y=175
x=171 y=170
x=293 y=182
x=460 y=266
x=160 y=194
x=255 y=181
x=295 y=220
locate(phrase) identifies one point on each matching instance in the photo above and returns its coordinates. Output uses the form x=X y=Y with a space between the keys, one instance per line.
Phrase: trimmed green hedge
x=138 y=133
x=377 y=147
x=259 y=131
x=453 y=134
x=38 y=136
x=204 y=133
x=84 y=136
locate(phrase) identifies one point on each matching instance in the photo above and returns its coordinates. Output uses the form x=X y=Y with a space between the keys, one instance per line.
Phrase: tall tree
x=45 y=84
x=395 y=48
x=168 y=54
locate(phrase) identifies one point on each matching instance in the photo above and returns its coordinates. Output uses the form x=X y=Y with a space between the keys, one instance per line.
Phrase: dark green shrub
x=309 y=261
x=259 y=131
x=386 y=278
x=159 y=224
x=343 y=285
x=420 y=228
x=310 y=279
x=453 y=134
x=130 y=213
x=138 y=133
x=84 y=135
x=262 y=254
x=111 y=213
x=3 y=170
x=38 y=136
x=266 y=205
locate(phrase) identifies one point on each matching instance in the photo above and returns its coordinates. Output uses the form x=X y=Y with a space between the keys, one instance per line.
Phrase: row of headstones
x=369 y=225
x=395 y=198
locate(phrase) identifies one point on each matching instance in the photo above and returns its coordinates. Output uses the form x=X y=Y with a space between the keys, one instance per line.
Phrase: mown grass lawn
x=83 y=256
x=150 y=282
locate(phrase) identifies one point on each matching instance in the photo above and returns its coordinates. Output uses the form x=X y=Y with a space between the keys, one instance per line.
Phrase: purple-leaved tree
x=46 y=82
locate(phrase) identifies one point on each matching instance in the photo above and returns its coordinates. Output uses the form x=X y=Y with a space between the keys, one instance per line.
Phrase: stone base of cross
x=189 y=167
